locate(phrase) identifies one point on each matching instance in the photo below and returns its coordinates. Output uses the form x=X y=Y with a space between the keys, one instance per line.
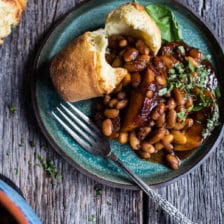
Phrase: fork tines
x=77 y=124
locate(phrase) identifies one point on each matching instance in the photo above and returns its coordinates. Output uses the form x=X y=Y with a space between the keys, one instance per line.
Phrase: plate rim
x=54 y=145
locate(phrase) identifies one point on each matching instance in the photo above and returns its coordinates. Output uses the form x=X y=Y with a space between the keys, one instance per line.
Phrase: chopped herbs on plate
x=12 y=108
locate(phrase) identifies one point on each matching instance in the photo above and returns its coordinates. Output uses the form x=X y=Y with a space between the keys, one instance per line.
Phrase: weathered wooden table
x=76 y=198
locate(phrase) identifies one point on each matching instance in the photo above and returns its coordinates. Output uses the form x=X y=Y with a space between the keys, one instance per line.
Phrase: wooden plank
x=200 y=194
x=72 y=199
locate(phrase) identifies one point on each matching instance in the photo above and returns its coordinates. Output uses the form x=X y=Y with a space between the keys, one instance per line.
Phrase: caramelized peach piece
x=140 y=105
x=137 y=112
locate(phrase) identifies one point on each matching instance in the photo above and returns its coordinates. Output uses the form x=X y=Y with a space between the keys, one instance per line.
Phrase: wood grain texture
x=74 y=199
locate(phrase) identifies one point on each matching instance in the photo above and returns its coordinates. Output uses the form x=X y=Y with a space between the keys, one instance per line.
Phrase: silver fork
x=87 y=134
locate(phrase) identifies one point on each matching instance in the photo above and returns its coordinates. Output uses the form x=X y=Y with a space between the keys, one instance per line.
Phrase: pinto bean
x=113 y=103
x=114 y=40
x=169 y=148
x=149 y=94
x=171 y=104
x=107 y=127
x=152 y=123
x=173 y=161
x=161 y=121
x=111 y=113
x=158 y=111
x=134 y=141
x=156 y=135
x=155 y=115
x=167 y=139
x=149 y=76
x=123 y=43
x=158 y=146
x=178 y=137
x=142 y=47
x=130 y=55
x=179 y=96
x=184 y=125
x=161 y=80
x=161 y=108
x=143 y=132
x=144 y=57
x=171 y=118
x=189 y=102
x=143 y=154
x=123 y=137
x=136 y=66
x=148 y=147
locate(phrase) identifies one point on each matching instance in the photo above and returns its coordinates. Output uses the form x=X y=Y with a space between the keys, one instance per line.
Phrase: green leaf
x=163 y=91
x=191 y=66
x=166 y=21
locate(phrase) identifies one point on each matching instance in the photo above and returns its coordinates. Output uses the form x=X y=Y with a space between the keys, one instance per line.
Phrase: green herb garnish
x=92 y=218
x=211 y=122
x=163 y=91
x=172 y=71
x=32 y=143
x=206 y=57
x=182 y=115
x=49 y=167
x=191 y=66
x=12 y=108
x=181 y=49
x=98 y=189
x=17 y=171
x=179 y=68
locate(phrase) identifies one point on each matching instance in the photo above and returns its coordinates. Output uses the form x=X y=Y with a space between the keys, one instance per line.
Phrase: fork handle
x=164 y=204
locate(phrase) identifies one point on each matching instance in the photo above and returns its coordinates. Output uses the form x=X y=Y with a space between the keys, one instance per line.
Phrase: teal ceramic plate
x=89 y=17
